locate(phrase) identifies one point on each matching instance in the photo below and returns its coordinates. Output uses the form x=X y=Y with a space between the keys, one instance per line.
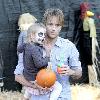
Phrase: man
x=61 y=51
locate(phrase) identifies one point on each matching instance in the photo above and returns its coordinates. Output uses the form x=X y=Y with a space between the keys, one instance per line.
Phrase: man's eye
x=40 y=34
x=57 y=24
x=50 y=24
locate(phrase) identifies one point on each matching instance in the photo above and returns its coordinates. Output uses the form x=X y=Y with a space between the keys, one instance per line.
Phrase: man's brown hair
x=54 y=12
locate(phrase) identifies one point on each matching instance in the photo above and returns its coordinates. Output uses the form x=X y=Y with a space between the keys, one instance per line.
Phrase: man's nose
x=54 y=27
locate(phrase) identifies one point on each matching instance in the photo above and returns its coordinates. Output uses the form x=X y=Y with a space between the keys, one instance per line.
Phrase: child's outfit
x=39 y=60
x=57 y=88
x=55 y=91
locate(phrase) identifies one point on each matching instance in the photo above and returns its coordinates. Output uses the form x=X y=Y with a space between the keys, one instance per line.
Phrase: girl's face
x=40 y=35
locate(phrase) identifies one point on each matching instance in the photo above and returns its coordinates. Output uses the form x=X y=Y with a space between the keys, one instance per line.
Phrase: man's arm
x=73 y=68
x=20 y=78
x=74 y=73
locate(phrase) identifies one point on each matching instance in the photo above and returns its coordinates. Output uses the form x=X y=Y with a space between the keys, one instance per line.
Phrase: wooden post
x=92 y=75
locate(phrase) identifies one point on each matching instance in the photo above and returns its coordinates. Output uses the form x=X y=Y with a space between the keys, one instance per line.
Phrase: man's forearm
x=23 y=81
x=76 y=74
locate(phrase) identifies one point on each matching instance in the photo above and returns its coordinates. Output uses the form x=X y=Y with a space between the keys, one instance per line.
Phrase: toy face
x=40 y=36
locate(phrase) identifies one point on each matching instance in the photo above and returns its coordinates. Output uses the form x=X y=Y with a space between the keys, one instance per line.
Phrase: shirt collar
x=59 y=42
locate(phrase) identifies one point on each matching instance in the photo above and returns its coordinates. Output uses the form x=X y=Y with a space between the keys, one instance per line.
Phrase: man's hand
x=74 y=73
x=38 y=86
x=65 y=70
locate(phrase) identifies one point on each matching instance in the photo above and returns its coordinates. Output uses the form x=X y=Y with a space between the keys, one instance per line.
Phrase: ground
x=79 y=92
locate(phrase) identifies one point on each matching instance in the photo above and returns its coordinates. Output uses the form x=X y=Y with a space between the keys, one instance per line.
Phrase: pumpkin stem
x=49 y=67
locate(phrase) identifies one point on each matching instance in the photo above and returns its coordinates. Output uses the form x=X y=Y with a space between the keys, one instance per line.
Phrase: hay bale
x=10 y=95
x=79 y=92
x=85 y=92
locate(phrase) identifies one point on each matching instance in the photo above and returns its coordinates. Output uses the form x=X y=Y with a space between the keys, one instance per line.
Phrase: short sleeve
x=74 y=61
x=20 y=39
x=19 y=67
x=18 y=70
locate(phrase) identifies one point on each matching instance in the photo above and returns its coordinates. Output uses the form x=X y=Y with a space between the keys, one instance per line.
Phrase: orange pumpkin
x=46 y=78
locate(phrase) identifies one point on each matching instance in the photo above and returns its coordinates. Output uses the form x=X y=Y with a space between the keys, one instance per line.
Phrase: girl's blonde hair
x=26 y=18
x=54 y=12
x=32 y=30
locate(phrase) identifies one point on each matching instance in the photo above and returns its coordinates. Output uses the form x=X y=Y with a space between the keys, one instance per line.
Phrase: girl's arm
x=37 y=56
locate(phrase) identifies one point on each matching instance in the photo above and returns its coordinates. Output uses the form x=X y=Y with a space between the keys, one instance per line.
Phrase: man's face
x=53 y=27
x=40 y=35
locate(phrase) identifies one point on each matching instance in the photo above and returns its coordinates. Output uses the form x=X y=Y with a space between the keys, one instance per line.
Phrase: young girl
x=24 y=22
x=35 y=58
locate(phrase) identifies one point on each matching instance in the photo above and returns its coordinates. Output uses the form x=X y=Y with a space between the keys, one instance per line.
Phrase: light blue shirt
x=22 y=38
x=65 y=52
